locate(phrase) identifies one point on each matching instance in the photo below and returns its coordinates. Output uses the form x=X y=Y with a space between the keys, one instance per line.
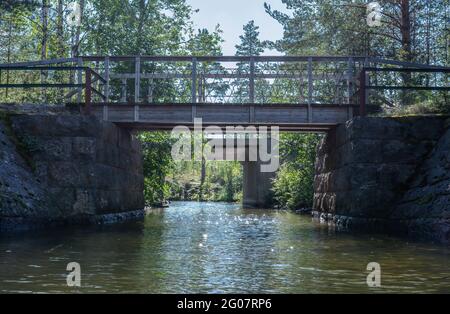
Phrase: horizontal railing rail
x=365 y=85
x=90 y=76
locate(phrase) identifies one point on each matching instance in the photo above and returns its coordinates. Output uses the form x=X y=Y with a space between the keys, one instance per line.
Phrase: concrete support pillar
x=256 y=186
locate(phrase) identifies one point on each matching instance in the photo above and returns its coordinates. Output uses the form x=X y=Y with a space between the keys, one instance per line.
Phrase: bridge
x=295 y=93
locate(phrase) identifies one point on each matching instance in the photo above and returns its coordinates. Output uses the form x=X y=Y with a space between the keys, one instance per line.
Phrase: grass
x=419 y=109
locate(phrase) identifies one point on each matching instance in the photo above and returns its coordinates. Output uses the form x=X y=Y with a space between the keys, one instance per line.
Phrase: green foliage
x=134 y=27
x=164 y=27
x=11 y=5
x=430 y=107
x=108 y=27
x=223 y=181
x=157 y=164
x=250 y=44
x=341 y=28
x=411 y=30
x=293 y=185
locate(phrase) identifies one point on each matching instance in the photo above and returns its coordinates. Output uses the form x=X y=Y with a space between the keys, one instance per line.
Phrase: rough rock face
x=66 y=168
x=426 y=204
x=20 y=192
x=386 y=173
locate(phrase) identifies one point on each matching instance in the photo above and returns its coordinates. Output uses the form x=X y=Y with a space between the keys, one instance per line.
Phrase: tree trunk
x=76 y=44
x=406 y=53
x=8 y=57
x=44 y=20
x=406 y=31
x=60 y=39
x=60 y=28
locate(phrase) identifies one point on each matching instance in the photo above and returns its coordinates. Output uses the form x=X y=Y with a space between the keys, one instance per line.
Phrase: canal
x=218 y=248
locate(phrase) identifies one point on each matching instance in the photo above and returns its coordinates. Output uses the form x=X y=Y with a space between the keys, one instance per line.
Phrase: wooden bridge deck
x=294 y=117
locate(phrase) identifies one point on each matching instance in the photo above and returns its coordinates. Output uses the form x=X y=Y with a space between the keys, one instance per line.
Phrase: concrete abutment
x=386 y=174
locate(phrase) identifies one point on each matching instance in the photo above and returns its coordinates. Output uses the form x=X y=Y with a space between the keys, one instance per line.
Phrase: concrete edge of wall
x=432 y=229
x=20 y=224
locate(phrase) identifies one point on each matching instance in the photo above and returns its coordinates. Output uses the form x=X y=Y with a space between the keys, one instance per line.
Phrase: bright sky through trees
x=233 y=14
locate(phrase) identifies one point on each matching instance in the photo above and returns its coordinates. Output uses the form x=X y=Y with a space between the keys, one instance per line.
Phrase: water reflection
x=218 y=248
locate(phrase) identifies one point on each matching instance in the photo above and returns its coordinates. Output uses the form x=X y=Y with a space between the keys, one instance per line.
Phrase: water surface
x=218 y=248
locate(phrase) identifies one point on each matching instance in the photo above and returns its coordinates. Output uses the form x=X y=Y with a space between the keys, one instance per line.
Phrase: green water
x=219 y=248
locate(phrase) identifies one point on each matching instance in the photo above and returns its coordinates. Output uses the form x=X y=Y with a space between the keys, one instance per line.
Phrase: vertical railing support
x=252 y=91
x=137 y=79
x=350 y=84
x=123 y=97
x=301 y=97
x=310 y=89
x=150 y=91
x=80 y=78
x=88 y=91
x=137 y=87
x=194 y=81
x=200 y=89
x=252 y=81
x=194 y=88
x=362 y=93
x=106 y=91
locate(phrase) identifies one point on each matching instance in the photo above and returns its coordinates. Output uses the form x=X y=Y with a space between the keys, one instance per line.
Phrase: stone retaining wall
x=67 y=167
x=386 y=172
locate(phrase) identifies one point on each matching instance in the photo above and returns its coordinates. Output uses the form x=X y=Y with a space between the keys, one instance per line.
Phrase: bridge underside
x=289 y=117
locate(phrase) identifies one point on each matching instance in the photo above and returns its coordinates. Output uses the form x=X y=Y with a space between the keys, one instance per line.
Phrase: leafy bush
x=293 y=185
x=158 y=163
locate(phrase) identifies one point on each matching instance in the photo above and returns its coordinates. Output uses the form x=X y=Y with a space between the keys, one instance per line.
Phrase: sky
x=233 y=14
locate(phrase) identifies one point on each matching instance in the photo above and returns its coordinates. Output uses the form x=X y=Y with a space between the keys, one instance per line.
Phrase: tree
x=411 y=31
x=60 y=28
x=10 y=5
x=340 y=27
x=293 y=185
x=44 y=21
x=250 y=45
x=157 y=164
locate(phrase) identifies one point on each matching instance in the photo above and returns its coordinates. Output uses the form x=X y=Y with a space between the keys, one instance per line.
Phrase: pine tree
x=250 y=44
x=340 y=28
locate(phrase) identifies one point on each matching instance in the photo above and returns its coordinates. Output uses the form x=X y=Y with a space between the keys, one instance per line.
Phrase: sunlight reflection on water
x=217 y=247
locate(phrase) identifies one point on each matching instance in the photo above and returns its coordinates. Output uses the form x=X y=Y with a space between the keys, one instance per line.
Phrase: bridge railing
x=305 y=80
x=50 y=81
x=259 y=79
x=389 y=81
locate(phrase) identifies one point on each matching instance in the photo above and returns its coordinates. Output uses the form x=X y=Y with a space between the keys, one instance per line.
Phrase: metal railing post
x=107 y=79
x=194 y=81
x=106 y=90
x=194 y=88
x=350 y=84
x=150 y=91
x=310 y=89
x=251 y=117
x=252 y=81
x=80 y=78
x=123 y=97
x=88 y=91
x=362 y=93
x=137 y=87
x=137 y=79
